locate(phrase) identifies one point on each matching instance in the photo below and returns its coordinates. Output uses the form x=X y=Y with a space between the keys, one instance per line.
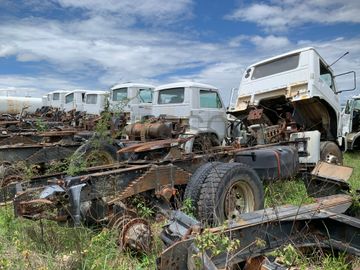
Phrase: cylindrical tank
x=157 y=130
x=14 y=105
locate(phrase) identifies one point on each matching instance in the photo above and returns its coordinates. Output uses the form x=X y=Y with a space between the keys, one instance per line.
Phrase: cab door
x=211 y=114
x=347 y=118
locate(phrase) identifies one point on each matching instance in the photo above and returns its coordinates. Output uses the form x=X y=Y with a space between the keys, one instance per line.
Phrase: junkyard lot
x=45 y=245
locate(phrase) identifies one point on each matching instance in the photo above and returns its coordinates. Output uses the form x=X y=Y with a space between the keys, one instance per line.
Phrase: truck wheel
x=331 y=153
x=96 y=154
x=229 y=190
x=193 y=187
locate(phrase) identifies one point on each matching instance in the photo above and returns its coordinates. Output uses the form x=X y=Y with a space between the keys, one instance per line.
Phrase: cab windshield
x=145 y=95
x=119 y=94
x=69 y=98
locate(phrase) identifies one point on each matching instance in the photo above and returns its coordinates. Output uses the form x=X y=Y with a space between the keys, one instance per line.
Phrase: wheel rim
x=332 y=159
x=239 y=199
x=98 y=158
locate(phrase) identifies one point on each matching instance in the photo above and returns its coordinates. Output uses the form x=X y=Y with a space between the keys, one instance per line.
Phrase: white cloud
x=6 y=50
x=149 y=11
x=19 y=85
x=98 y=50
x=224 y=75
x=280 y=15
x=110 y=53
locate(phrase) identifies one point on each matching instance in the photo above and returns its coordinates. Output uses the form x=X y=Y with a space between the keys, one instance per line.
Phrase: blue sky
x=67 y=44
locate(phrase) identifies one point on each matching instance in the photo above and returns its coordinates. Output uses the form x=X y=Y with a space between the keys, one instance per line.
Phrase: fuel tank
x=146 y=131
x=14 y=105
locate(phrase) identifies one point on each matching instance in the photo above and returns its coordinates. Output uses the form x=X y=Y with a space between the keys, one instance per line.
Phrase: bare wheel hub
x=134 y=233
x=239 y=199
x=330 y=158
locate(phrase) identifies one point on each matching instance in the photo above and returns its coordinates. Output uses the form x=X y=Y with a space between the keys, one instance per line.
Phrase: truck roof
x=129 y=84
x=185 y=84
x=59 y=91
x=98 y=92
x=286 y=54
x=77 y=91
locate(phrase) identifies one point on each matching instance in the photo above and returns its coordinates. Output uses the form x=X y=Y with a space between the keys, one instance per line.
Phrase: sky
x=90 y=44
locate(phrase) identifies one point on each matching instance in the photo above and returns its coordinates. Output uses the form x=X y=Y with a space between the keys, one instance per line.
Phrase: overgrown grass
x=294 y=191
x=27 y=244
x=352 y=159
x=286 y=192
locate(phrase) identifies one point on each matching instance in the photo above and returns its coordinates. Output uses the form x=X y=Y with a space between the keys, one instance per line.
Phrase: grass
x=26 y=244
x=353 y=160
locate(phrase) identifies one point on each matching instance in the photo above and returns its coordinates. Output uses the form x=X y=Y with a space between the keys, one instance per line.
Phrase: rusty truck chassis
x=322 y=225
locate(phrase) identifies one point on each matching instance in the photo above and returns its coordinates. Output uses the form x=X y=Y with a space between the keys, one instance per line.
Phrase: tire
x=215 y=205
x=331 y=153
x=193 y=187
x=95 y=154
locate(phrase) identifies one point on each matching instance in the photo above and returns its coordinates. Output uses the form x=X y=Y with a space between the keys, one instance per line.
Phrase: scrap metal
x=319 y=225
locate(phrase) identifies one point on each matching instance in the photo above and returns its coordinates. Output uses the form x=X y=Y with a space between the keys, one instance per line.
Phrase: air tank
x=14 y=105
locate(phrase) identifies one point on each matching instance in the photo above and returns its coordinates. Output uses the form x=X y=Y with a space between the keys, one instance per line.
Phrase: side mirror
x=343 y=74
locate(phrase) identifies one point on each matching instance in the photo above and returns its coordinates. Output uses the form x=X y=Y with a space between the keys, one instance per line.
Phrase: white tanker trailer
x=15 y=105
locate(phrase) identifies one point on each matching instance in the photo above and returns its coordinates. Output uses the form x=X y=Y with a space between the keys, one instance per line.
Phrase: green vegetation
x=286 y=192
x=291 y=257
x=40 y=125
x=353 y=160
x=46 y=245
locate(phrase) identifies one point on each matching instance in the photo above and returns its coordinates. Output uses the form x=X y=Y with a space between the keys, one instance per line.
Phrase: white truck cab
x=45 y=101
x=95 y=102
x=56 y=99
x=199 y=105
x=132 y=98
x=75 y=100
x=288 y=93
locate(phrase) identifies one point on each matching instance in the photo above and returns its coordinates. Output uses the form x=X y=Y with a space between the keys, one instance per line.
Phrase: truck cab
x=75 y=100
x=56 y=99
x=195 y=105
x=292 y=92
x=351 y=123
x=134 y=99
x=95 y=102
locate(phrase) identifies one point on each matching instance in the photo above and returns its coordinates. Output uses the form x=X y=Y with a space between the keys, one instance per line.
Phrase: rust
x=148 y=131
x=153 y=145
x=136 y=234
x=155 y=178
x=33 y=207
x=166 y=192
x=332 y=171
x=255 y=114
x=255 y=263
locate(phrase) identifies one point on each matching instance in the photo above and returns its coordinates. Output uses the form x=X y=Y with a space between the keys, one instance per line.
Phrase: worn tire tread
x=193 y=188
x=210 y=187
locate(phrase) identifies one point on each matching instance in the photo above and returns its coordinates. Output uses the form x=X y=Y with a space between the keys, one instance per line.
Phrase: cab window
x=276 y=66
x=91 y=99
x=56 y=96
x=171 y=96
x=325 y=76
x=145 y=95
x=210 y=99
